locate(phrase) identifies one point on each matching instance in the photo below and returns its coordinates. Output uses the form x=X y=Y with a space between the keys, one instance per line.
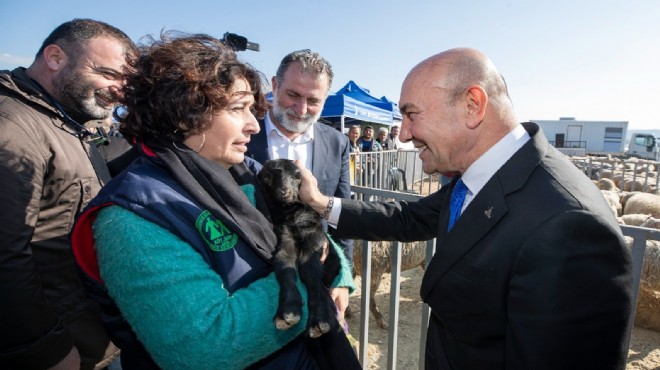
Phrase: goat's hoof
x=287 y=320
x=318 y=330
x=380 y=321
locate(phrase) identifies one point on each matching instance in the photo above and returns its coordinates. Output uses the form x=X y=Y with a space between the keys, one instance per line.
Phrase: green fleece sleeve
x=345 y=277
x=177 y=305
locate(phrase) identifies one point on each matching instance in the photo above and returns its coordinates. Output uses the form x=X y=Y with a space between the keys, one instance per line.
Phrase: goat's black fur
x=300 y=239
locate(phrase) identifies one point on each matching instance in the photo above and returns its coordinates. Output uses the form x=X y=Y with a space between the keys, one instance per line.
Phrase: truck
x=643 y=145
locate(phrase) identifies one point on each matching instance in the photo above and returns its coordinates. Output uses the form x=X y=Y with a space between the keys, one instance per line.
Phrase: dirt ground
x=644 y=347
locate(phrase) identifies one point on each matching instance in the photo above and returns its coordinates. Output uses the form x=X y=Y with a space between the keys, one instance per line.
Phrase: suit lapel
x=320 y=151
x=485 y=210
x=481 y=215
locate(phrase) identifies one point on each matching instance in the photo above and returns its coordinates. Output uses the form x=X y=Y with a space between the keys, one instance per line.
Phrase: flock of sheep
x=631 y=189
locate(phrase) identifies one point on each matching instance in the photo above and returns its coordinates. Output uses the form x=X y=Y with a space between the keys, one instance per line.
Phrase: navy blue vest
x=149 y=191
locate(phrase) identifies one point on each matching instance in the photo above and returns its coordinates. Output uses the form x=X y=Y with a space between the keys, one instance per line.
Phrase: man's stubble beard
x=280 y=115
x=74 y=93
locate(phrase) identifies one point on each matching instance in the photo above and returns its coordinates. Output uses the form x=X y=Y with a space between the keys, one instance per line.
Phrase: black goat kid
x=300 y=239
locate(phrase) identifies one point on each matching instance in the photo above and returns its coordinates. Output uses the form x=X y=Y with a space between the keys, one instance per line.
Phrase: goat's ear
x=265 y=176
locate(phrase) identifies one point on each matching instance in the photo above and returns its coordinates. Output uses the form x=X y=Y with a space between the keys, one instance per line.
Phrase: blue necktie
x=456 y=202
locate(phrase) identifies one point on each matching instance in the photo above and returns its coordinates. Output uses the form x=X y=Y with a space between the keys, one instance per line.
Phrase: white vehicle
x=643 y=145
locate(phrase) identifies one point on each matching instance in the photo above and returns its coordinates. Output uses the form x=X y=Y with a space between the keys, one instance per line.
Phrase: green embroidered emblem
x=218 y=237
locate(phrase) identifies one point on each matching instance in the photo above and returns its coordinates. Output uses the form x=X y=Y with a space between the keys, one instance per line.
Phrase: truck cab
x=643 y=146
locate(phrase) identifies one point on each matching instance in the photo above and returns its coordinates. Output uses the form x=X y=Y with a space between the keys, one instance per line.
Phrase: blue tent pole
x=342 y=124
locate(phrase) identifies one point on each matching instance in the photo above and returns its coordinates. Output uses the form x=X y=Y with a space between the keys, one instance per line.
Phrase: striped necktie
x=456 y=202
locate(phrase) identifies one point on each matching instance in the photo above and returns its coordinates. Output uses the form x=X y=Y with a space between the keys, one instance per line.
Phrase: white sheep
x=614 y=200
x=606 y=184
x=412 y=255
x=647 y=314
x=642 y=203
x=634 y=219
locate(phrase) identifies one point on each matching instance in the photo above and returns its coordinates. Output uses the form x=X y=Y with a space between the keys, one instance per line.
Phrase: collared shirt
x=478 y=174
x=279 y=146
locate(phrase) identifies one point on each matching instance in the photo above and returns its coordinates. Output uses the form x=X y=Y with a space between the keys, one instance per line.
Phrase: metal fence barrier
x=639 y=235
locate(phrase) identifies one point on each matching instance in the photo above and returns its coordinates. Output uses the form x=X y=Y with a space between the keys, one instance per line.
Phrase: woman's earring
x=202 y=144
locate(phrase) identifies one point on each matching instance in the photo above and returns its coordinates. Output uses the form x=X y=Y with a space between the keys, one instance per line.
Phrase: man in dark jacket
x=51 y=169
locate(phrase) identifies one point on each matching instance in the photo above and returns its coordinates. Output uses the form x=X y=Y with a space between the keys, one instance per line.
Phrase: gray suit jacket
x=533 y=275
x=329 y=165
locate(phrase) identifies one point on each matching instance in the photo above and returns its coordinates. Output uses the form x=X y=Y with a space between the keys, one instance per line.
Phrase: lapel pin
x=489 y=212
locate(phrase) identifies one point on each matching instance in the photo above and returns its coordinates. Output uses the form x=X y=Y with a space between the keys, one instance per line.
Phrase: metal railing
x=628 y=175
x=639 y=235
x=397 y=170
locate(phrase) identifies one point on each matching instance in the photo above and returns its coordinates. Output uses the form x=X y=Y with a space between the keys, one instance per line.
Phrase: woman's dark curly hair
x=178 y=82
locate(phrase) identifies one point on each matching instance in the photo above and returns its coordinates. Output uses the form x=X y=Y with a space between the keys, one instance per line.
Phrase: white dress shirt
x=478 y=174
x=279 y=146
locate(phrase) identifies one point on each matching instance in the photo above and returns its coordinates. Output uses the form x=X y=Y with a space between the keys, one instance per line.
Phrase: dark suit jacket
x=329 y=165
x=533 y=275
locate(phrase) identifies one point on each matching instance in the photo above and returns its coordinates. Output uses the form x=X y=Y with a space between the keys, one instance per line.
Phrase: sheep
x=614 y=201
x=606 y=184
x=633 y=185
x=647 y=314
x=634 y=219
x=642 y=203
x=412 y=255
x=606 y=174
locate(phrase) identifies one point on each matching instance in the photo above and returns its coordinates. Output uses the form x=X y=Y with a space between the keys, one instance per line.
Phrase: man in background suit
x=534 y=274
x=290 y=130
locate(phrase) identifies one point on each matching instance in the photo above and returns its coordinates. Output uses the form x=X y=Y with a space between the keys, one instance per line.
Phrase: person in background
x=394 y=135
x=366 y=142
x=291 y=130
x=178 y=247
x=531 y=269
x=353 y=136
x=396 y=140
x=51 y=168
x=384 y=139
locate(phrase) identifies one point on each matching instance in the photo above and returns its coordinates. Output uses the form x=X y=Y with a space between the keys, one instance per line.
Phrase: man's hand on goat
x=309 y=192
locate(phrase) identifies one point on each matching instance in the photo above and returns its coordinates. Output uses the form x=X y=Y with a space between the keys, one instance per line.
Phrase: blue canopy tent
x=359 y=93
x=340 y=110
x=353 y=104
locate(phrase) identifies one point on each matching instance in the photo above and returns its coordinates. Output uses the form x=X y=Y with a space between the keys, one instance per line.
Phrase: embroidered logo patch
x=218 y=237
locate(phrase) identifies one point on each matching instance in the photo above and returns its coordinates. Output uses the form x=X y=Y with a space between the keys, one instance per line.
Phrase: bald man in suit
x=534 y=273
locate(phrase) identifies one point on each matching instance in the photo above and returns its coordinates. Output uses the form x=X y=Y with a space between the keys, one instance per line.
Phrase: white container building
x=589 y=136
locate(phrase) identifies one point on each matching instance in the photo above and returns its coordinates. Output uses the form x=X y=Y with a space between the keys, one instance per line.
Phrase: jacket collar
x=485 y=210
x=21 y=85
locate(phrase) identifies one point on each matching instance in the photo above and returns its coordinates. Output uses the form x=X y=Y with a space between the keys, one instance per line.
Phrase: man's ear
x=273 y=82
x=55 y=58
x=477 y=100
